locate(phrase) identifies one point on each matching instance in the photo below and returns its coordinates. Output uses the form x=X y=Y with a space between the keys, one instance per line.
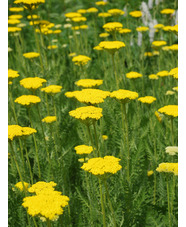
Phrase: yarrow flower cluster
x=135 y=14
x=15 y=131
x=125 y=31
x=102 y=167
x=89 y=96
x=13 y=29
x=46 y=203
x=170 y=110
x=32 y=82
x=21 y=186
x=168 y=168
x=12 y=74
x=174 y=72
x=133 y=75
x=29 y=2
x=81 y=60
x=112 y=26
x=52 y=89
x=167 y=11
x=163 y=73
x=27 y=100
x=153 y=77
x=31 y=55
x=88 y=83
x=49 y=119
x=147 y=99
x=83 y=149
x=158 y=44
x=87 y=114
x=116 y=12
x=142 y=29
x=111 y=46
x=124 y=96
x=171 y=150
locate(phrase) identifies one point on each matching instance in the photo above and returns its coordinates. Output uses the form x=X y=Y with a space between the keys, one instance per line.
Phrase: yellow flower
x=175 y=89
x=83 y=27
x=155 y=53
x=52 y=89
x=41 y=186
x=158 y=26
x=104 y=14
x=158 y=44
x=83 y=159
x=81 y=60
x=163 y=73
x=34 y=16
x=135 y=13
x=32 y=82
x=13 y=21
x=16 y=9
x=133 y=75
x=57 y=31
x=31 y=55
x=170 y=110
x=14 y=131
x=170 y=93
x=82 y=11
x=171 y=150
x=83 y=149
x=149 y=173
x=87 y=114
x=49 y=119
x=148 y=54
x=104 y=137
x=158 y=116
x=88 y=83
x=147 y=99
x=52 y=47
x=168 y=168
x=111 y=46
x=14 y=29
x=79 y=19
x=47 y=206
x=102 y=167
x=89 y=96
x=98 y=48
x=174 y=72
x=28 y=3
x=112 y=26
x=27 y=100
x=15 y=17
x=72 y=15
x=124 y=96
x=142 y=29
x=116 y=12
x=12 y=74
x=174 y=47
x=167 y=11
x=19 y=186
x=104 y=35
x=125 y=31
x=21 y=25
x=101 y=3
x=92 y=10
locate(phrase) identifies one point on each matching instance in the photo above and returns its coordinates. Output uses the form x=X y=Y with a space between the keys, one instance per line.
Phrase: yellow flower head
x=13 y=21
x=163 y=73
x=28 y=3
x=175 y=89
x=49 y=119
x=169 y=92
x=104 y=14
x=158 y=116
x=125 y=31
x=52 y=47
x=46 y=206
x=14 y=29
x=32 y=83
x=167 y=11
x=82 y=11
x=27 y=131
x=104 y=137
x=34 y=16
x=27 y=100
x=135 y=14
x=149 y=173
x=158 y=26
x=133 y=75
x=41 y=186
x=31 y=55
x=89 y=96
x=52 y=89
x=16 y=9
x=158 y=44
x=174 y=72
x=102 y=167
x=79 y=19
x=81 y=60
x=112 y=26
x=98 y=48
x=88 y=83
x=92 y=10
x=83 y=149
x=111 y=46
x=72 y=15
x=14 y=131
x=87 y=114
x=168 y=168
x=171 y=150
x=12 y=74
x=101 y=3
x=174 y=47
x=20 y=184
x=83 y=27
x=104 y=35
x=15 y=16
x=142 y=29
x=147 y=99
x=72 y=54
x=148 y=54
x=116 y=12
x=170 y=110
x=124 y=96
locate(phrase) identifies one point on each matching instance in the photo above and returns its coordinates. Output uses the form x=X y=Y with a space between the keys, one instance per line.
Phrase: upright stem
x=102 y=203
x=96 y=139
x=114 y=70
x=110 y=204
x=91 y=140
x=172 y=131
x=168 y=199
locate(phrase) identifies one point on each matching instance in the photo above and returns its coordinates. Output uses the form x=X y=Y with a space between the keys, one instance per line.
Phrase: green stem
x=96 y=139
x=91 y=140
x=48 y=223
x=168 y=199
x=114 y=70
x=172 y=131
x=102 y=203
x=110 y=204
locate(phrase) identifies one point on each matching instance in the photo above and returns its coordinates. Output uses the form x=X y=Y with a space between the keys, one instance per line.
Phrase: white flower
x=171 y=150
x=150 y=4
x=140 y=36
x=67 y=25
